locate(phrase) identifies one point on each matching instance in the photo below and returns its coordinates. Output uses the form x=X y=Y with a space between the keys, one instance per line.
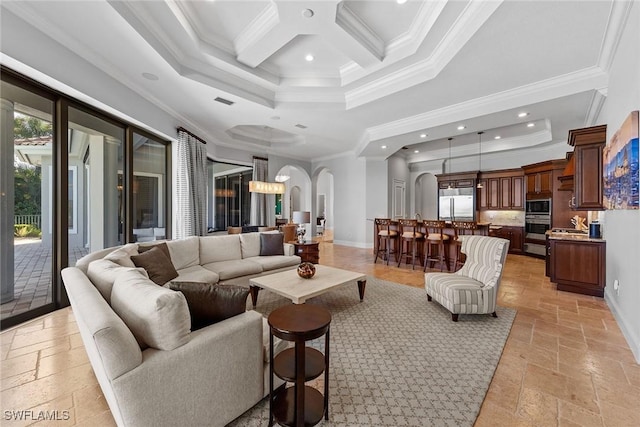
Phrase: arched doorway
x=323 y=189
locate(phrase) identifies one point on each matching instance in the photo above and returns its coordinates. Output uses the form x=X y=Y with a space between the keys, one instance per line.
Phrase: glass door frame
x=60 y=164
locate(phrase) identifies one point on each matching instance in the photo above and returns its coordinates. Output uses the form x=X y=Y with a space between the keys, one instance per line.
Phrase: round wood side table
x=299 y=405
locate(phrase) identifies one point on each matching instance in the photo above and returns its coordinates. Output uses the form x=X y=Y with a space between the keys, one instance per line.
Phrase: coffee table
x=289 y=285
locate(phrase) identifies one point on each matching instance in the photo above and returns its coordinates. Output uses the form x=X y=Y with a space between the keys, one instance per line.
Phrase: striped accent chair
x=474 y=288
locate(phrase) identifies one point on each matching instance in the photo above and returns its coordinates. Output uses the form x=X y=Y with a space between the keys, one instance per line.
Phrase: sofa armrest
x=211 y=380
x=289 y=249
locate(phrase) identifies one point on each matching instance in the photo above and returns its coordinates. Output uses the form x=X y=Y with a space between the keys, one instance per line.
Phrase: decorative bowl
x=306 y=270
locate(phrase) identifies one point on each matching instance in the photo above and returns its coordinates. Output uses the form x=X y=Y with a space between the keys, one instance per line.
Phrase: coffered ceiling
x=382 y=73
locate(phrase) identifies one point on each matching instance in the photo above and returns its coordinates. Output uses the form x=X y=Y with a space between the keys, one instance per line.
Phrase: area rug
x=398 y=360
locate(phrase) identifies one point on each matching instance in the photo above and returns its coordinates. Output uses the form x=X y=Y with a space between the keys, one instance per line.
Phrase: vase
x=306 y=270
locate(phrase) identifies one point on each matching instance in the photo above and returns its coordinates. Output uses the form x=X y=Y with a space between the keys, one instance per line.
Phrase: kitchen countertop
x=572 y=235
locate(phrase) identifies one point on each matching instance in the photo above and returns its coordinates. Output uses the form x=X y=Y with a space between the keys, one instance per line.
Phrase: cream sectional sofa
x=155 y=371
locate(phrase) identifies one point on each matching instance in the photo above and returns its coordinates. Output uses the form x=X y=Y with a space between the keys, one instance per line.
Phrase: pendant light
x=480 y=156
x=449 y=163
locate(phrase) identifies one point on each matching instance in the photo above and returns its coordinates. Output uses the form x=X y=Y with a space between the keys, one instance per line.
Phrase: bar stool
x=385 y=237
x=461 y=228
x=410 y=237
x=435 y=241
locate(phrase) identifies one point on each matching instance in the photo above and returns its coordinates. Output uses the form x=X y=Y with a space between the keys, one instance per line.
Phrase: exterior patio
x=32 y=264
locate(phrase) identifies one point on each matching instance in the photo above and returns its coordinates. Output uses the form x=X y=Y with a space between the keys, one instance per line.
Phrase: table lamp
x=301 y=218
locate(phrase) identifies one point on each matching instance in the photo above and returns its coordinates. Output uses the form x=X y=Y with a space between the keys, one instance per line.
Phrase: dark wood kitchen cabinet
x=515 y=236
x=588 y=186
x=539 y=184
x=501 y=190
x=578 y=266
x=457 y=180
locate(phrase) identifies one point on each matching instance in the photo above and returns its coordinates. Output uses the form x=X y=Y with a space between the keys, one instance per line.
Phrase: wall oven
x=538 y=207
x=535 y=227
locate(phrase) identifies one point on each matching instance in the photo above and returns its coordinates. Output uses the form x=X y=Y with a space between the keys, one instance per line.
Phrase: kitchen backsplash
x=513 y=218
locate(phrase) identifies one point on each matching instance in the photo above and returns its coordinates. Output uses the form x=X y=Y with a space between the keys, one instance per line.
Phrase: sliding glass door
x=26 y=242
x=73 y=180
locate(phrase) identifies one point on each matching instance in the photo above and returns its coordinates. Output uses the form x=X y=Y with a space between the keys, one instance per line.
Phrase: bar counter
x=483 y=230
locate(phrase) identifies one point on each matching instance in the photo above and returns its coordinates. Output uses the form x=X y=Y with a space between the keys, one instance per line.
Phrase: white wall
x=426 y=196
x=376 y=192
x=325 y=187
x=349 y=208
x=621 y=228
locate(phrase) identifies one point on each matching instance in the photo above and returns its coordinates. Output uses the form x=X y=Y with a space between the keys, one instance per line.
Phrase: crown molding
x=409 y=42
x=359 y=31
x=552 y=88
x=468 y=22
x=618 y=16
x=261 y=25
x=597 y=102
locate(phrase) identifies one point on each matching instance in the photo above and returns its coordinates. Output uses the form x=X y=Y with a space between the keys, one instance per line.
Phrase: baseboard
x=627 y=330
x=361 y=245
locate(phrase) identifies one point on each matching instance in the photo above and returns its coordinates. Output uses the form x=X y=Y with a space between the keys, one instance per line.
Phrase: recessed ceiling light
x=150 y=76
x=530 y=125
x=308 y=13
x=523 y=114
x=416 y=151
x=461 y=127
x=496 y=137
x=423 y=135
x=401 y=1
x=383 y=147
x=309 y=58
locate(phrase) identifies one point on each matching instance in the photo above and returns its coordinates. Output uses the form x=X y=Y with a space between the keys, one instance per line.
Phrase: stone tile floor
x=32 y=275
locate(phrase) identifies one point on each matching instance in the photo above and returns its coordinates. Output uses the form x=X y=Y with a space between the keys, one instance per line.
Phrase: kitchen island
x=483 y=229
x=576 y=262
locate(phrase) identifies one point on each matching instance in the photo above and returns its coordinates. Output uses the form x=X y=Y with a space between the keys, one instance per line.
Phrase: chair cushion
x=459 y=294
x=391 y=233
x=411 y=235
x=158 y=317
x=157 y=265
x=211 y=303
x=271 y=244
x=485 y=257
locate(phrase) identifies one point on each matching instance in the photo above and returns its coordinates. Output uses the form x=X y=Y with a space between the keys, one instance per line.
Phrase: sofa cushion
x=197 y=273
x=271 y=244
x=250 y=244
x=157 y=265
x=122 y=255
x=211 y=303
x=278 y=344
x=184 y=252
x=162 y=246
x=103 y=273
x=276 y=261
x=220 y=248
x=158 y=317
x=235 y=268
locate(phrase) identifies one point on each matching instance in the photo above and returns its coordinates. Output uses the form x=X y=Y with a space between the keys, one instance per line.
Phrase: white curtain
x=259 y=200
x=191 y=187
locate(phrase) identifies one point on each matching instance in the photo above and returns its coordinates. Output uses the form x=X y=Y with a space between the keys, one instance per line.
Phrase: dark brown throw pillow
x=162 y=246
x=157 y=264
x=271 y=244
x=209 y=303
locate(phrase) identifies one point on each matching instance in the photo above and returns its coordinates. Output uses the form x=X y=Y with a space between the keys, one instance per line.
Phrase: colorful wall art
x=621 y=180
